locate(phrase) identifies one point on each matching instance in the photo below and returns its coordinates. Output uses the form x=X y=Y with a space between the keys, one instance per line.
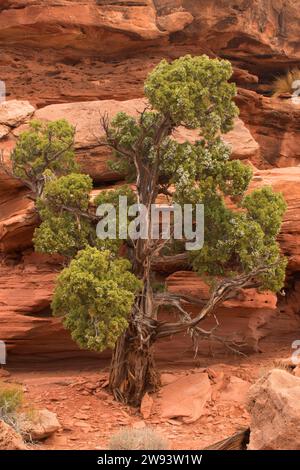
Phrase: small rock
x=185 y=398
x=4 y=130
x=91 y=387
x=63 y=383
x=212 y=374
x=105 y=384
x=9 y=438
x=82 y=424
x=297 y=371
x=146 y=406
x=139 y=425
x=14 y=112
x=67 y=428
x=83 y=416
x=42 y=425
x=174 y=422
x=236 y=391
x=101 y=394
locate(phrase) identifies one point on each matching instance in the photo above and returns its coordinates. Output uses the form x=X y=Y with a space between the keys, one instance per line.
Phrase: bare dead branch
x=219 y=295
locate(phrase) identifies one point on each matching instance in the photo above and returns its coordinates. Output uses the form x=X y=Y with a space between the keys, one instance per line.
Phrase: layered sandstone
x=103 y=49
x=26 y=322
x=80 y=59
x=275 y=125
x=286 y=181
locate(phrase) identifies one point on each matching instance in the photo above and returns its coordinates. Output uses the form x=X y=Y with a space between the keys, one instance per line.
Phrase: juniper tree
x=109 y=302
x=44 y=146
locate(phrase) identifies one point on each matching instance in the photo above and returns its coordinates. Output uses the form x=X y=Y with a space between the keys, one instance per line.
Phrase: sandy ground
x=77 y=393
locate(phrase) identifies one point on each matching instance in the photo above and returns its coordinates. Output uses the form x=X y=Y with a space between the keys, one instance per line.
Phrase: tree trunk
x=133 y=370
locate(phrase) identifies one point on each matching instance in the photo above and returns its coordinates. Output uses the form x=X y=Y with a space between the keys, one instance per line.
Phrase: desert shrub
x=138 y=439
x=284 y=84
x=11 y=399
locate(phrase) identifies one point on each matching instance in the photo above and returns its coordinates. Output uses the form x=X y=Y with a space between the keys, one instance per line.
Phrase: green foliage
x=44 y=146
x=11 y=399
x=234 y=178
x=64 y=231
x=95 y=295
x=112 y=197
x=72 y=190
x=130 y=133
x=191 y=91
x=194 y=92
x=240 y=241
x=267 y=208
x=138 y=439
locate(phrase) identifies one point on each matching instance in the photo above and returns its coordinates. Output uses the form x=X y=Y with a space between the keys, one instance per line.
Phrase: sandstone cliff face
x=27 y=281
x=78 y=59
x=275 y=125
x=63 y=50
x=246 y=28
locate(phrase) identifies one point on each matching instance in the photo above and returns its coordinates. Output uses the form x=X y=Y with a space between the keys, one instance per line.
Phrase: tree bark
x=133 y=371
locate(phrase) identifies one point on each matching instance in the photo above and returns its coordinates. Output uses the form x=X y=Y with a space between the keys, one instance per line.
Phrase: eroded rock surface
x=274 y=405
x=76 y=60
x=9 y=438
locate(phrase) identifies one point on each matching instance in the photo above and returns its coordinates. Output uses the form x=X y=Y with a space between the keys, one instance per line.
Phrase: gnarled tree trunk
x=133 y=371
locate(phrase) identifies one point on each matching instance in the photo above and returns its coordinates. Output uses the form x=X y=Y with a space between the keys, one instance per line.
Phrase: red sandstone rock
x=185 y=398
x=187 y=282
x=14 y=112
x=242 y=144
x=286 y=181
x=26 y=322
x=245 y=319
x=108 y=28
x=39 y=426
x=9 y=438
x=274 y=406
x=236 y=391
x=93 y=157
x=86 y=118
x=103 y=50
x=146 y=406
x=18 y=220
x=82 y=38
x=4 y=130
x=275 y=125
